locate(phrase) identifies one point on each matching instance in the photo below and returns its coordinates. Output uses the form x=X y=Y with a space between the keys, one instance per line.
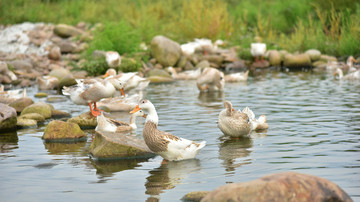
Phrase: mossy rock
x=56 y=99
x=114 y=146
x=159 y=79
x=194 y=196
x=85 y=121
x=41 y=94
x=40 y=108
x=34 y=116
x=61 y=73
x=25 y=123
x=8 y=124
x=295 y=61
x=59 y=114
x=60 y=131
x=21 y=103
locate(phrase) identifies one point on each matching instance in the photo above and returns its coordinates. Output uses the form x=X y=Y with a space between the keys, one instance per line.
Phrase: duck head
x=148 y=106
x=109 y=72
x=228 y=106
x=117 y=84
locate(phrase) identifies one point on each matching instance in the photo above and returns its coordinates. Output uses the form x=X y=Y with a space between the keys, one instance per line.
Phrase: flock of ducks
x=170 y=147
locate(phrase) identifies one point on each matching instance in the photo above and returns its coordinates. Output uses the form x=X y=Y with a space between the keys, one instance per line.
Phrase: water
x=314 y=129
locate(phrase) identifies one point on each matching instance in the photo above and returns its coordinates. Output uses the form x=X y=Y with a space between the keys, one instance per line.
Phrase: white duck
x=233 y=123
x=236 y=77
x=106 y=124
x=256 y=124
x=113 y=59
x=258 y=50
x=130 y=79
x=165 y=144
x=90 y=91
x=121 y=103
x=211 y=79
x=332 y=66
x=185 y=75
x=355 y=75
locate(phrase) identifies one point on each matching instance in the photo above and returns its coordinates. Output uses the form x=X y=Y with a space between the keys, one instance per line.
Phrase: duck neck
x=132 y=122
x=340 y=72
x=152 y=116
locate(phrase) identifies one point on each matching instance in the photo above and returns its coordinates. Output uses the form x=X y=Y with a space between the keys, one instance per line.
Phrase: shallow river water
x=314 y=128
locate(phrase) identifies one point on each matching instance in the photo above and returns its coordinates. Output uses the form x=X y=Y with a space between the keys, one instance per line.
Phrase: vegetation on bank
x=333 y=26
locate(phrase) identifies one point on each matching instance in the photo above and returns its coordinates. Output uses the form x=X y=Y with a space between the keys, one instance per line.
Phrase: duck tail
x=249 y=112
x=201 y=145
x=66 y=90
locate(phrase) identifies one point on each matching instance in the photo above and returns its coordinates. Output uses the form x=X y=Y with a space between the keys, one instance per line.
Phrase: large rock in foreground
x=60 y=131
x=166 y=51
x=288 y=186
x=115 y=146
x=7 y=118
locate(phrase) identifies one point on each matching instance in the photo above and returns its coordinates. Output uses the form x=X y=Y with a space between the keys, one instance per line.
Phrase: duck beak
x=137 y=108
x=122 y=92
x=106 y=75
x=144 y=115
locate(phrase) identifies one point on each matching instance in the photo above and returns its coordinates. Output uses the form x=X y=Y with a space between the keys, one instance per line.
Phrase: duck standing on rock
x=167 y=145
x=105 y=124
x=90 y=91
x=210 y=80
x=258 y=50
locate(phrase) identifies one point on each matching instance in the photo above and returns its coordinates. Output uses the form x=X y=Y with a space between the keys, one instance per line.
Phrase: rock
x=85 y=120
x=54 y=98
x=61 y=73
x=189 y=66
x=67 y=47
x=288 y=186
x=35 y=116
x=66 y=82
x=26 y=123
x=327 y=58
x=217 y=59
x=195 y=196
x=55 y=53
x=21 y=103
x=294 y=61
x=40 y=108
x=65 y=31
x=203 y=64
x=159 y=76
x=26 y=82
x=275 y=58
x=113 y=146
x=314 y=54
x=166 y=51
x=319 y=66
x=236 y=66
x=59 y=114
x=80 y=74
x=182 y=61
x=260 y=64
x=98 y=54
x=41 y=94
x=8 y=118
x=60 y=131
x=23 y=65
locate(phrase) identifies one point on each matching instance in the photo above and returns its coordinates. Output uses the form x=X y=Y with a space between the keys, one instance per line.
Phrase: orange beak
x=144 y=115
x=122 y=92
x=106 y=75
x=137 y=108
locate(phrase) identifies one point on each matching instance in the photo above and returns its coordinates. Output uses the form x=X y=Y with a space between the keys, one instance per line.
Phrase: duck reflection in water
x=234 y=152
x=168 y=175
x=210 y=98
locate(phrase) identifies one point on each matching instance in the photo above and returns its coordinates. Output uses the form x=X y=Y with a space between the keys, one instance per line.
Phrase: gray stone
x=21 y=103
x=23 y=65
x=67 y=47
x=63 y=30
x=112 y=146
x=26 y=123
x=55 y=53
x=275 y=58
x=299 y=60
x=85 y=120
x=166 y=51
x=61 y=73
x=35 y=116
x=203 y=64
x=194 y=196
x=8 y=118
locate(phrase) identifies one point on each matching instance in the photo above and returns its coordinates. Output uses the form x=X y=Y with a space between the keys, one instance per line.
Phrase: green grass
x=331 y=26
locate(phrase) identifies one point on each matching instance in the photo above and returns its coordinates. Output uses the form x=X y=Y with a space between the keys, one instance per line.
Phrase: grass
x=332 y=26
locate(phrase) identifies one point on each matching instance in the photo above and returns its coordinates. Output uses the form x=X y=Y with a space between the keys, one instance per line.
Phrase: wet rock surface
x=60 y=131
x=8 y=118
x=114 y=146
x=288 y=186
